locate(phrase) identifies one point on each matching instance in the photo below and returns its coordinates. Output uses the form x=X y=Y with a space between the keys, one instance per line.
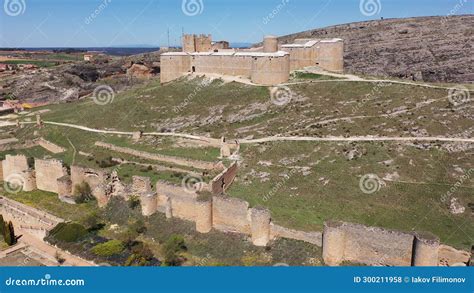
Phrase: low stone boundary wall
x=49 y=146
x=162 y=158
x=315 y=238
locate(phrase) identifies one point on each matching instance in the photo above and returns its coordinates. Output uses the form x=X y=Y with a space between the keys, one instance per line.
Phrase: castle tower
x=270 y=44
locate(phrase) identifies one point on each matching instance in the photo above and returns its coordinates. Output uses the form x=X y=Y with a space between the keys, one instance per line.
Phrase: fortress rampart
x=346 y=242
x=47 y=174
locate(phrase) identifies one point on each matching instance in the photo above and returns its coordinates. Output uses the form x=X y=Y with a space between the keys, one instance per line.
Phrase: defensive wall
x=328 y=54
x=162 y=158
x=261 y=68
x=36 y=222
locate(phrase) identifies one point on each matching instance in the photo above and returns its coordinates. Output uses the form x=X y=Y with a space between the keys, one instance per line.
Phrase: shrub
x=172 y=249
x=68 y=232
x=9 y=234
x=82 y=193
x=108 y=248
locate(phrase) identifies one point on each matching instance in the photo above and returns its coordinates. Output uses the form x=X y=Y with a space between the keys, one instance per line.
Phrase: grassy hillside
x=304 y=184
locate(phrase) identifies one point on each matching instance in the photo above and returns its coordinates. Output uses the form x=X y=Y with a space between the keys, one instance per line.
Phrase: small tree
x=9 y=235
x=2 y=226
x=82 y=193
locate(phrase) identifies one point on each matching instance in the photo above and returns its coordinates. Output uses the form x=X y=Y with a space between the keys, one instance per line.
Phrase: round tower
x=270 y=44
x=426 y=250
x=333 y=243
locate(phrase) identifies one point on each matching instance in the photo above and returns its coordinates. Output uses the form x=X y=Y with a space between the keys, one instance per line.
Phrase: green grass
x=314 y=76
x=108 y=248
x=68 y=232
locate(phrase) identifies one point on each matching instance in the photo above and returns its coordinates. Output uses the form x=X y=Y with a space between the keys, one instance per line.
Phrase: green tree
x=172 y=249
x=82 y=193
x=9 y=236
x=2 y=226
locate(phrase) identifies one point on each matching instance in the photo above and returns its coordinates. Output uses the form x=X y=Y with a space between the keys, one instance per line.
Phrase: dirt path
x=279 y=138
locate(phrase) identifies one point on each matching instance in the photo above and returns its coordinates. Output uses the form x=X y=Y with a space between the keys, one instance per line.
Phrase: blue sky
x=95 y=23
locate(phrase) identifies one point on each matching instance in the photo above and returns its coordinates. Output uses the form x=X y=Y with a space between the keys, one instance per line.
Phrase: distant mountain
x=435 y=49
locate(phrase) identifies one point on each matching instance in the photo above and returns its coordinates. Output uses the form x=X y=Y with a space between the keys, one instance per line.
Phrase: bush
x=69 y=232
x=172 y=249
x=108 y=248
x=82 y=193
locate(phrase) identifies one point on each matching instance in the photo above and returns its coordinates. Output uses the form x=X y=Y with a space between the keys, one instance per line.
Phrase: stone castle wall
x=270 y=69
x=49 y=146
x=97 y=180
x=47 y=174
x=224 y=180
x=230 y=214
x=14 y=165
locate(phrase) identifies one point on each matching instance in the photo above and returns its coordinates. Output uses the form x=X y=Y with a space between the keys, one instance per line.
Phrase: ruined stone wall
x=141 y=185
x=230 y=214
x=47 y=174
x=157 y=157
x=224 y=180
x=277 y=231
x=49 y=146
x=97 y=180
x=14 y=165
x=29 y=180
x=376 y=246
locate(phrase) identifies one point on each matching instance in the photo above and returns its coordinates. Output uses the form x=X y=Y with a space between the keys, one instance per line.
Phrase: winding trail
x=276 y=138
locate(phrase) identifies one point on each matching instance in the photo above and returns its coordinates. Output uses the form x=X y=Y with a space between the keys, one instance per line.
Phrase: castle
x=268 y=65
